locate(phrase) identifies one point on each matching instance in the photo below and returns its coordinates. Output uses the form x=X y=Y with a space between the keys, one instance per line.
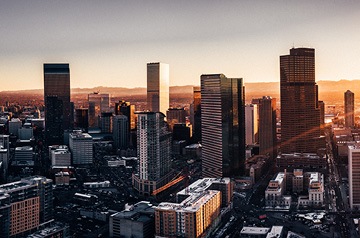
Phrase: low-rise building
x=136 y=222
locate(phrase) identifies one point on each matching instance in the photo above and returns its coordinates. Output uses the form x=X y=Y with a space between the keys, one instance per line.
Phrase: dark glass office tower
x=222 y=125
x=300 y=113
x=56 y=94
x=349 y=108
x=267 y=126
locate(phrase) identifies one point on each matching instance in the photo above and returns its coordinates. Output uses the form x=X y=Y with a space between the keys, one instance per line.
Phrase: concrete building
x=157 y=87
x=153 y=152
x=301 y=160
x=354 y=176
x=62 y=178
x=24 y=156
x=195 y=216
x=26 y=132
x=224 y=185
x=314 y=182
x=135 y=222
x=265 y=232
x=52 y=230
x=251 y=124
x=81 y=147
x=349 y=107
x=300 y=113
x=59 y=155
x=14 y=125
x=104 y=184
x=24 y=205
x=222 y=126
x=274 y=193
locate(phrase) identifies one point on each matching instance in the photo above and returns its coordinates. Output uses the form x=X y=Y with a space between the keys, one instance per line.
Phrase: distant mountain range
x=328 y=90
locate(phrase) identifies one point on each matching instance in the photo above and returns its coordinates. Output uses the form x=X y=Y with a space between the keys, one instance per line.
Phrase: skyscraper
x=349 y=109
x=81 y=146
x=157 y=87
x=121 y=132
x=251 y=124
x=222 y=126
x=126 y=109
x=57 y=102
x=153 y=151
x=98 y=103
x=354 y=176
x=267 y=126
x=300 y=114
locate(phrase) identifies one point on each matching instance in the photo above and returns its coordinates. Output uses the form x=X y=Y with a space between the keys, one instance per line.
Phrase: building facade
x=157 y=87
x=354 y=176
x=153 y=151
x=267 y=127
x=81 y=147
x=349 y=106
x=222 y=126
x=98 y=103
x=24 y=205
x=57 y=102
x=121 y=133
x=251 y=124
x=300 y=113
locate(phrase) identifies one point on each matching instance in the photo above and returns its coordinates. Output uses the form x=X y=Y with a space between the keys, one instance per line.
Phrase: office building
x=106 y=122
x=300 y=113
x=24 y=205
x=251 y=124
x=349 y=108
x=25 y=132
x=181 y=132
x=14 y=125
x=354 y=176
x=322 y=117
x=126 y=109
x=81 y=147
x=57 y=102
x=157 y=87
x=59 y=155
x=222 y=126
x=175 y=115
x=121 y=133
x=137 y=221
x=195 y=114
x=81 y=118
x=267 y=127
x=153 y=152
x=195 y=216
x=24 y=156
x=98 y=103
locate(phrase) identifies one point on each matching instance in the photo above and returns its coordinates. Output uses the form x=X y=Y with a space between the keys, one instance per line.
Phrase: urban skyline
x=126 y=36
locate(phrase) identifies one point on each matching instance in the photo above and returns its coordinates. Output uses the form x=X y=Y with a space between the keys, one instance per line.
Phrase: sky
x=109 y=43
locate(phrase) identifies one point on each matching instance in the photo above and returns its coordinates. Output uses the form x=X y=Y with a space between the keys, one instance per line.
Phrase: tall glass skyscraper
x=222 y=125
x=158 y=87
x=300 y=113
x=56 y=97
x=98 y=103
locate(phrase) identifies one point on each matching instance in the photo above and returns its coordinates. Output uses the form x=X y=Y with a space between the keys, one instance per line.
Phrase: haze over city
x=108 y=43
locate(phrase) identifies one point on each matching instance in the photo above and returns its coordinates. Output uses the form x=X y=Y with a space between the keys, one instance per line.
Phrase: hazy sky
x=108 y=43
